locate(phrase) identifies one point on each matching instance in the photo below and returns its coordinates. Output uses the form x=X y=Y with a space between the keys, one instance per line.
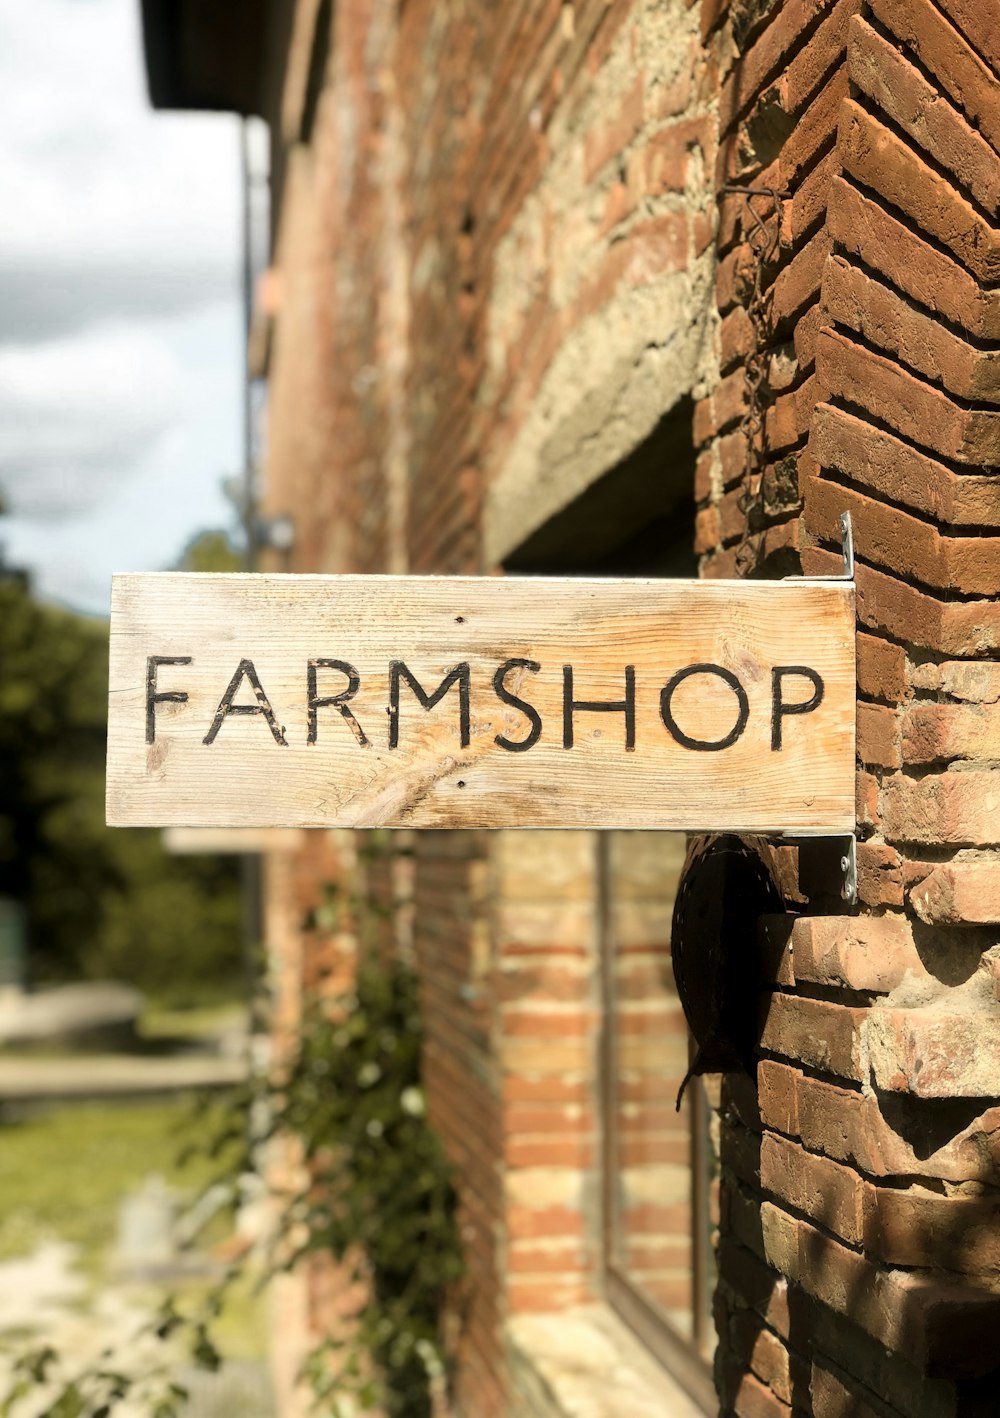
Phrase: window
x=658 y=1166
x=659 y=1163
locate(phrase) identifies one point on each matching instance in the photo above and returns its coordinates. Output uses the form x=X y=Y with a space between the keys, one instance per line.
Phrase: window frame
x=687 y=1360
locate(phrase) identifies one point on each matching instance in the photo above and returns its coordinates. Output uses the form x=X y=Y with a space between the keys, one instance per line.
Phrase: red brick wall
x=437 y=263
x=858 y=1258
x=502 y=264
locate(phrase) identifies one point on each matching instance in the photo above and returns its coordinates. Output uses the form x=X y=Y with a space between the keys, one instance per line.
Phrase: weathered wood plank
x=313 y=701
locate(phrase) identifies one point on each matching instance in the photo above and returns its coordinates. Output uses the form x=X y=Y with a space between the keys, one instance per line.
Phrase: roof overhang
x=205 y=54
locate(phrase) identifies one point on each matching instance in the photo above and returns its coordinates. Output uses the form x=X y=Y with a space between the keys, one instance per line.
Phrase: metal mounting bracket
x=846 y=548
x=849 y=866
x=849 y=861
x=846 y=573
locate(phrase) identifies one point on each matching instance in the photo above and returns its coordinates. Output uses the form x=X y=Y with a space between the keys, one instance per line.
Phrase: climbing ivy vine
x=382 y=1198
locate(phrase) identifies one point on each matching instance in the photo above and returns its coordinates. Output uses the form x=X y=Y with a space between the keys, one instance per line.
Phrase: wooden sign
x=369 y=701
x=229 y=841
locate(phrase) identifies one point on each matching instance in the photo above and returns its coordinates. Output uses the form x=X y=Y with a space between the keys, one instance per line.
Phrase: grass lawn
x=198 y=1024
x=65 y=1169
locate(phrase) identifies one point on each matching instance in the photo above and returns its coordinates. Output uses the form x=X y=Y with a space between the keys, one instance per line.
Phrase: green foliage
x=381 y=1197
x=98 y=902
x=93 y=1393
x=67 y=1167
x=96 y=1390
x=169 y=924
x=211 y=551
x=52 y=685
x=378 y=1198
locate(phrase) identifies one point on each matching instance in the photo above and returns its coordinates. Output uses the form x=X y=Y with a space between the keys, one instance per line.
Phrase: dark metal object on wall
x=726 y=885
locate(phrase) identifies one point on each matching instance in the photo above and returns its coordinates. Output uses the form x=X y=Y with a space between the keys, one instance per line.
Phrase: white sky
x=120 y=320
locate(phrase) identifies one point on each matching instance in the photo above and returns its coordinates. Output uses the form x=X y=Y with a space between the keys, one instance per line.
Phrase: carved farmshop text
x=795 y=690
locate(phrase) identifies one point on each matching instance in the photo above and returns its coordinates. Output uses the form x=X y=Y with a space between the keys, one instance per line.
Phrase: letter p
x=781 y=708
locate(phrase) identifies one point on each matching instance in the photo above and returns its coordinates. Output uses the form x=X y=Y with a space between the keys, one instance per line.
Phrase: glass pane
x=651 y=1159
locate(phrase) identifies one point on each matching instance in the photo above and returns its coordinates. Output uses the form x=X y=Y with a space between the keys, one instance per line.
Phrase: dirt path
x=45 y=1300
x=114 y=1075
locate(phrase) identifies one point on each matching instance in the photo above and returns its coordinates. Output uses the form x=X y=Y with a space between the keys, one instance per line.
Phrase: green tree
x=211 y=551
x=98 y=901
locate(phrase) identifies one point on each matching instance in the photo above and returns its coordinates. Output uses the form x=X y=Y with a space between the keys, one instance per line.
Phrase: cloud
x=120 y=325
x=150 y=495
x=77 y=414
x=39 y=301
x=109 y=208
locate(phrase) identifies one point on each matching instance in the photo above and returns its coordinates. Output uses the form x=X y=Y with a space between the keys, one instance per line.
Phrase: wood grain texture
x=266 y=773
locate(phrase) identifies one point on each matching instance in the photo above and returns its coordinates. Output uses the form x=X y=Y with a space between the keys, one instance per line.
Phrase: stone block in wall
x=787 y=420
x=763 y=1352
x=902 y=611
x=968 y=17
x=804 y=211
x=921 y=270
x=938 y=733
x=725 y=406
x=945 y=52
x=956 y=807
x=811 y=135
x=799 y=282
x=881 y=669
x=607 y=140
x=878 y=736
x=960 y=892
x=563 y=977
x=946 y=1048
x=823 y=1035
x=739 y=1215
x=764 y=1290
x=886 y=164
x=880 y=875
x=891 y=537
x=968 y=682
x=897 y=472
x=869 y=953
x=863 y=1362
x=738 y=1097
x=915 y=107
x=541 y=1058
x=707 y=530
x=776 y=1085
x=918 y=338
x=736 y=339
x=740 y=1154
x=547 y=1294
x=915 y=1227
x=733 y=285
x=800 y=79
x=866 y=800
x=816 y=1186
x=850 y=1127
x=833 y=1396
x=535 y=866
x=945 y=1330
x=768 y=56
x=533 y=925
x=746 y=1396
x=911 y=407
